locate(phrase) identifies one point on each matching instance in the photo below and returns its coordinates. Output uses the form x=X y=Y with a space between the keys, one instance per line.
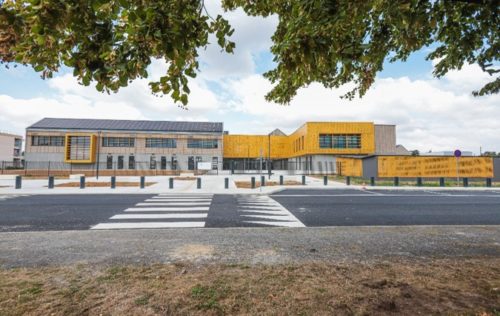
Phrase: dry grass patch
x=102 y=184
x=451 y=287
x=248 y=184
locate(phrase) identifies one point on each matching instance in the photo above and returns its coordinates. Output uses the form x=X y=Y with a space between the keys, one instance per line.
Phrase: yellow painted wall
x=304 y=141
x=350 y=167
x=408 y=166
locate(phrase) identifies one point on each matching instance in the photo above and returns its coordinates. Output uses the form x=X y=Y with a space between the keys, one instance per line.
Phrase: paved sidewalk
x=209 y=184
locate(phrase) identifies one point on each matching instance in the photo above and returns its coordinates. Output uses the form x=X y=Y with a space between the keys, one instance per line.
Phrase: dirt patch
x=450 y=287
x=248 y=184
x=186 y=178
x=102 y=184
x=193 y=252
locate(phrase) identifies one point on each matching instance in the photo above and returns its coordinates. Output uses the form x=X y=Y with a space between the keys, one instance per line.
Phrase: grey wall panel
x=496 y=169
x=370 y=167
x=385 y=139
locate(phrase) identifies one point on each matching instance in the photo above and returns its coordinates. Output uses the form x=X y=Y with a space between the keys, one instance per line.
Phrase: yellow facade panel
x=255 y=146
x=408 y=166
x=352 y=167
x=91 y=149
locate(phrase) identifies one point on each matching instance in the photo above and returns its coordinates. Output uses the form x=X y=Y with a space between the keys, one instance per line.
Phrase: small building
x=11 y=149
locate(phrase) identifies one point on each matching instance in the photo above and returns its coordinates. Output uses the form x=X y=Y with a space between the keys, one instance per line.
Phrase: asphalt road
x=288 y=208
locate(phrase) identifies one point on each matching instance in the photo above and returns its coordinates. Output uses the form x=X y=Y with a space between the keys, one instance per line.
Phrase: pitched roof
x=128 y=125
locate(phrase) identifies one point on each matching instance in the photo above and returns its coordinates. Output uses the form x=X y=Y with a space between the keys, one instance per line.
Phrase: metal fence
x=137 y=168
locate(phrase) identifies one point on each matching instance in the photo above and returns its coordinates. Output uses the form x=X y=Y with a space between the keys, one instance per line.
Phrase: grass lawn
x=444 y=286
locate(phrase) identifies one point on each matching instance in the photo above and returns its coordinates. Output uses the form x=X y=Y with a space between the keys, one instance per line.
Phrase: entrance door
x=190 y=163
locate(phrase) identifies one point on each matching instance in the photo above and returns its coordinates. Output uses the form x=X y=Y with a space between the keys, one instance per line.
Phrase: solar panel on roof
x=129 y=125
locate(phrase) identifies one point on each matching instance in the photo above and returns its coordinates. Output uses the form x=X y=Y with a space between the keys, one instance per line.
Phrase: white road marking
x=173 y=203
x=166 y=209
x=153 y=216
x=266 y=209
x=385 y=195
x=278 y=224
x=148 y=225
x=161 y=199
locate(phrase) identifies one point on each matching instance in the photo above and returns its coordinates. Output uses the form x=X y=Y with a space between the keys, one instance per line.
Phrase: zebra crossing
x=4 y=197
x=263 y=210
x=163 y=211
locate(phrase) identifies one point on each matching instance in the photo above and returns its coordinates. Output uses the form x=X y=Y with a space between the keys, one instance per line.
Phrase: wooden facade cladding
x=352 y=167
x=429 y=167
x=304 y=141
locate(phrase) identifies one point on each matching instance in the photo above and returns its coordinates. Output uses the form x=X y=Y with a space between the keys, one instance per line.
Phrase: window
x=131 y=162
x=109 y=162
x=120 y=162
x=161 y=143
x=79 y=148
x=152 y=162
x=215 y=163
x=18 y=142
x=46 y=141
x=118 y=142
x=325 y=141
x=202 y=143
x=340 y=141
x=163 y=163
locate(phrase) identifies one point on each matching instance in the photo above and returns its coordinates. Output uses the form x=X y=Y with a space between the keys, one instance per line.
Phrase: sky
x=430 y=114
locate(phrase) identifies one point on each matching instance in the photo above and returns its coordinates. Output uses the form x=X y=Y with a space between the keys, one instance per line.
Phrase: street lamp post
x=269 y=156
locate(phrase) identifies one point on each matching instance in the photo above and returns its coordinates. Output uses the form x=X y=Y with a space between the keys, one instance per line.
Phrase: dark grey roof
x=128 y=125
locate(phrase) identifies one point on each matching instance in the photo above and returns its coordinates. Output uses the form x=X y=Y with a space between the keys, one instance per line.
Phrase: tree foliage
x=332 y=42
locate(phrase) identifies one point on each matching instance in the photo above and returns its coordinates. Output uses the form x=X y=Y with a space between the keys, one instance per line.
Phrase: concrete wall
x=385 y=139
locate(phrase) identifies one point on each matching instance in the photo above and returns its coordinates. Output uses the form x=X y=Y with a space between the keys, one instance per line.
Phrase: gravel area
x=247 y=245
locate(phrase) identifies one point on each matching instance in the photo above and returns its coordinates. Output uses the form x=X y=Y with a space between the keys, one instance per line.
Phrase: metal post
x=303 y=180
x=269 y=156
x=465 y=182
x=19 y=182
x=198 y=183
x=113 y=182
x=281 y=180
x=348 y=180
x=441 y=182
x=82 y=182
x=171 y=183
x=419 y=181
x=226 y=183
x=325 y=180
x=396 y=181
x=372 y=181
x=51 y=182
x=143 y=182
x=262 y=181
x=253 y=182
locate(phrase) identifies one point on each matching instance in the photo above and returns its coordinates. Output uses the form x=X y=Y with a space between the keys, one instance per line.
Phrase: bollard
x=441 y=182
x=82 y=182
x=465 y=182
x=396 y=181
x=303 y=180
x=253 y=182
x=488 y=182
x=281 y=180
x=198 y=183
x=419 y=182
x=372 y=181
x=143 y=182
x=51 y=182
x=348 y=180
x=113 y=182
x=262 y=181
x=171 y=183
x=19 y=182
x=226 y=183
x=325 y=180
